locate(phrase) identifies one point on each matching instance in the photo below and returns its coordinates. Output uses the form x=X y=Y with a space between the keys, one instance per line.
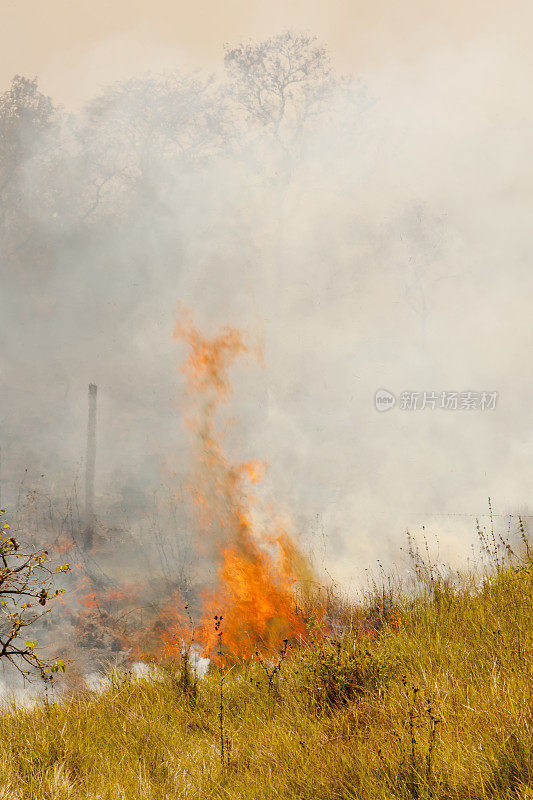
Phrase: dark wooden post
x=90 y=516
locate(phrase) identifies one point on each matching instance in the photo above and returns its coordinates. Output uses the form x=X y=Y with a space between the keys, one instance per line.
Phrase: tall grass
x=434 y=702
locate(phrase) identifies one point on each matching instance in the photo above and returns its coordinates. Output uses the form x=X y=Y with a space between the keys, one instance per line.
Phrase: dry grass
x=440 y=708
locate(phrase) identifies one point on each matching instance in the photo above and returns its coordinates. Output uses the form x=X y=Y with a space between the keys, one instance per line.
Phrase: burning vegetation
x=259 y=575
x=260 y=593
x=305 y=696
x=437 y=707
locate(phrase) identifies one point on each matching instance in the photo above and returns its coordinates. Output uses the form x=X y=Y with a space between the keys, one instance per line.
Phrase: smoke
x=385 y=246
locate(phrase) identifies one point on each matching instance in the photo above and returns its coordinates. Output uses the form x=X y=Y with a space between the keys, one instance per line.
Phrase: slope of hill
x=434 y=700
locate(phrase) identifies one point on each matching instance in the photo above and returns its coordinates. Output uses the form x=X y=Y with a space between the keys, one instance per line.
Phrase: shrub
x=337 y=672
x=26 y=585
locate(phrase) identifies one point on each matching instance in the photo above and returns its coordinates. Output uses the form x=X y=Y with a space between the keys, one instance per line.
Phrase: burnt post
x=90 y=516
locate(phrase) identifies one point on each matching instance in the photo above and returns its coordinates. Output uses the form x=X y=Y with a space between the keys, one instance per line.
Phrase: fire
x=122 y=618
x=260 y=597
x=168 y=633
x=258 y=574
x=98 y=614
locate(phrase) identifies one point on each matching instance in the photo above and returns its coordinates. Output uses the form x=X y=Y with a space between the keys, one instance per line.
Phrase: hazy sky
x=76 y=46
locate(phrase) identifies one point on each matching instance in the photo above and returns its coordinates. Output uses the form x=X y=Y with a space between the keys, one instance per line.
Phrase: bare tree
x=28 y=120
x=280 y=82
x=25 y=114
x=138 y=132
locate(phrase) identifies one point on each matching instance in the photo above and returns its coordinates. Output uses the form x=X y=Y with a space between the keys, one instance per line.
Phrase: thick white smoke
x=388 y=247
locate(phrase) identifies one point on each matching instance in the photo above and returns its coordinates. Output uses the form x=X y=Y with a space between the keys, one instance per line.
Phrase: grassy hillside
x=437 y=704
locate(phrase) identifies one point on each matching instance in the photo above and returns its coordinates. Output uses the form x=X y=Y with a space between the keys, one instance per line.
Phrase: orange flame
x=262 y=592
x=257 y=575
